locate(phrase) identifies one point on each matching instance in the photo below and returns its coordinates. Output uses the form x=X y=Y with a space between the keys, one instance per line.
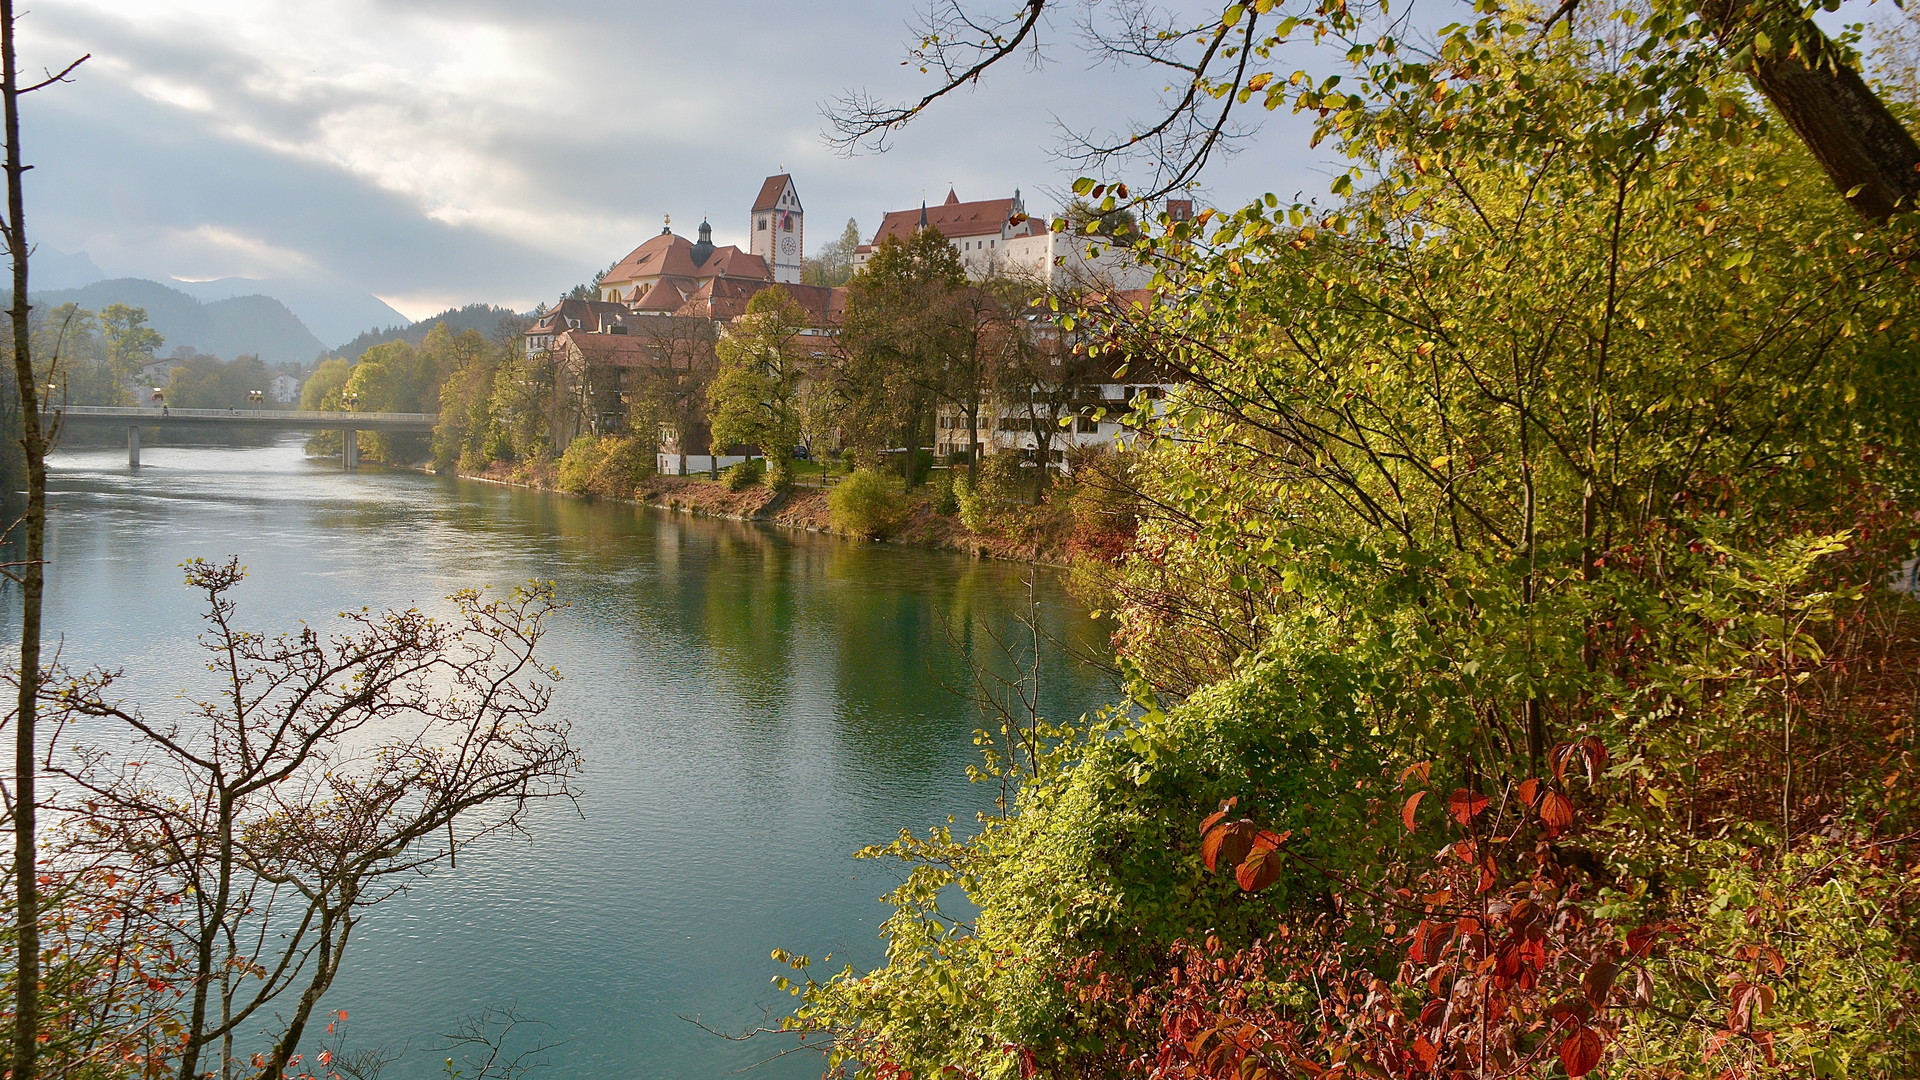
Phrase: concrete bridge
x=349 y=423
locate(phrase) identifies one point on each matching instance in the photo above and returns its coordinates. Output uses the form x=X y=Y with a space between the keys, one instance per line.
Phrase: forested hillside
x=241 y=325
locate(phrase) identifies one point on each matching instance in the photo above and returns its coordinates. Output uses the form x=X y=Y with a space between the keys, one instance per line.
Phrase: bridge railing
x=118 y=412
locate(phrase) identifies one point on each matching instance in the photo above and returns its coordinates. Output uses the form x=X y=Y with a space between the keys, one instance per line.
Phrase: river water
x=753 y=706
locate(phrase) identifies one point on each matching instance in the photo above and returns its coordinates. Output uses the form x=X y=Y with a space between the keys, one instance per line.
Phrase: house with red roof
x=979 y=231
x=996 y=237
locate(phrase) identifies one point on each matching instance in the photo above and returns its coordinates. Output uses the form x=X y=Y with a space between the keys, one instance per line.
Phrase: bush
x=944 y=499
x=780 y=471
x=624 y=463
x=610 y=466
x=576 y=466
x=970 y=505
x=746 y=474
x=868 y=504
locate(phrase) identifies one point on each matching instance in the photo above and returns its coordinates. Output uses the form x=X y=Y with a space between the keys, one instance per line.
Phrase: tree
x=29 y=572
x=198 y=381
x=1218 y=64
x=668 y=394
x=904 y=329
x=1541 y=483
x=754 y=397
x=130 y=342
x=833 y=264
x=324 y=774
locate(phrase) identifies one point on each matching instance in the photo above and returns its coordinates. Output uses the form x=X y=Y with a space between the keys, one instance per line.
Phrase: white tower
x=778 y=232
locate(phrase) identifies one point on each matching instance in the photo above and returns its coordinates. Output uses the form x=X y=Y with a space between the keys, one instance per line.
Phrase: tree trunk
x=26 y=989
x=1870 y=156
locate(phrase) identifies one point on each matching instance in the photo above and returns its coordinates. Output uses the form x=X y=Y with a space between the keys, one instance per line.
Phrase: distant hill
x=334 y=312
x=226 y=328
x=51 y=268
x=482 y=317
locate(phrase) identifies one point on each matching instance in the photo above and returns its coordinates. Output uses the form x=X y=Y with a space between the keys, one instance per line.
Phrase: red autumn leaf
x=1424 y=1053
x=1261 y=867
x=1557 y=758
x=1595 y=752
x=1422 y=938
x=1464 y=805
x=1597 y=983
x=1413 y=803
x=1641 y=939
x=1529 y=790
x=1581 y=1052
x=1422 y=769
x=1522 y=913
x=1214 y=818
x=1228 y=842
x=1556 y=811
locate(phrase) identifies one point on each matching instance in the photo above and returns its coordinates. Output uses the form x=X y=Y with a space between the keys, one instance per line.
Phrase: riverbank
x=1019 y=533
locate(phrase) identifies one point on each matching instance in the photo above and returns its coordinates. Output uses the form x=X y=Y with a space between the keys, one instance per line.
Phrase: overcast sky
x=438 y=152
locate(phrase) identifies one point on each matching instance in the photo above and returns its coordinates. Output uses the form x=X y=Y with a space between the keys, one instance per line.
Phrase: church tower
x=777 y=229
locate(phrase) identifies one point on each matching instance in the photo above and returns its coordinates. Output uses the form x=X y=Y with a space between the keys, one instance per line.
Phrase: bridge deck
x=281 y=419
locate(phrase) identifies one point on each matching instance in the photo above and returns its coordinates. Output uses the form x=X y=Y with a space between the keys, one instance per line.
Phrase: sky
x=444 y=152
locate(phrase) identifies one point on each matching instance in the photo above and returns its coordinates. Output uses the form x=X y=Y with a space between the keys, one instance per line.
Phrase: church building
x=779 y=229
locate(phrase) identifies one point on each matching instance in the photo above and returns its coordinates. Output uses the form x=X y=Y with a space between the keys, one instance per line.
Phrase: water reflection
x=753 y=704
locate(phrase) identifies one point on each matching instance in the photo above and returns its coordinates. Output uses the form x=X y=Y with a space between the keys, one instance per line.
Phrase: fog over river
x=753 y=705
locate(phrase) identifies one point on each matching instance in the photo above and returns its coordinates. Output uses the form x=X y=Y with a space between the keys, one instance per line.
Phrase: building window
x=763 y=223
x=786 y=223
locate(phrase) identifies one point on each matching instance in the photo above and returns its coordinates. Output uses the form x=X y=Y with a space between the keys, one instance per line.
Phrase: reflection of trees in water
x=787 y=626
x=907 y=653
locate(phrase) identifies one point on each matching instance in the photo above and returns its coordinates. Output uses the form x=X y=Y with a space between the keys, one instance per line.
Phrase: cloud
x=257 y=257
x=496 y=150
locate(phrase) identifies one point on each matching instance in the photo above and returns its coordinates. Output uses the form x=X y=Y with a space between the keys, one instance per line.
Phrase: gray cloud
x=435 y=151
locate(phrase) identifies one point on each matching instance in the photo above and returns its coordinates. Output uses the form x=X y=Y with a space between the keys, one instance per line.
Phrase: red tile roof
x=956 y=220
x=670 y=255
x=727 y=299
x=607 y=350
x=770 y=191
x=587 y=313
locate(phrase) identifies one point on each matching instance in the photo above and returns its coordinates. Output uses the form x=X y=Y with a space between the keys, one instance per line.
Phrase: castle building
x=979 y=231
x=779 y=233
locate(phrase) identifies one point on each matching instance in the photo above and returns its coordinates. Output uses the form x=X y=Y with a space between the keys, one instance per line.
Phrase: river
x=753 y=705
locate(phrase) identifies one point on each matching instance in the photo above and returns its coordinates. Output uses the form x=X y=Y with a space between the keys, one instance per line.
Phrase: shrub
x=746 y=474
x=944 y=499
x=970 y=505
x=779 y=471
x=609 y=466
x=868 y=504
x=623 y=463
x=576 y=466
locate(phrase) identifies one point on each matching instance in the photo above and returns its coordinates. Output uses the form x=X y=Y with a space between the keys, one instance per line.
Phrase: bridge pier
x=133 y=446
x=350 y=455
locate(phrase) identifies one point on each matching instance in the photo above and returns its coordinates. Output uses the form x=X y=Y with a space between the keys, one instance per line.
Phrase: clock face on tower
x=787 y=246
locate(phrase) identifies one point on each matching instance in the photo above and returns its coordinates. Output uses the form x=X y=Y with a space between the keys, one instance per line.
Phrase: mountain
x=226 y=328
x=54 y=269
x=334 y=311
x=482 y=317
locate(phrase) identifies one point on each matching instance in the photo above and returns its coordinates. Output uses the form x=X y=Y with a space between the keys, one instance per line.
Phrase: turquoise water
x=753 y=706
